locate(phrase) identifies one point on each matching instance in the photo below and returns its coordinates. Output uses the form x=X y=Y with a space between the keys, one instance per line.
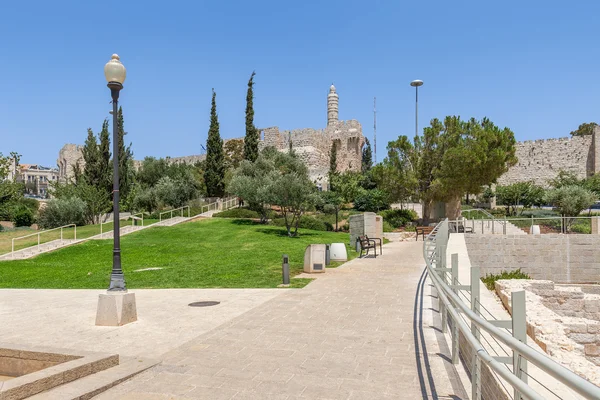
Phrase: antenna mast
x=375 y=127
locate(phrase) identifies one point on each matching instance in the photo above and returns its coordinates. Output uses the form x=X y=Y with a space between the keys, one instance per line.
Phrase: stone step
x=92 y=385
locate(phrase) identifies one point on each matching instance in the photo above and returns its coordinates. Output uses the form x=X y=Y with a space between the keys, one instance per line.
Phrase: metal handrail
x=173 y=210
x=112 y=222
x=133 y=216
x=454 y=305
x=477 y=209
x=12 y=252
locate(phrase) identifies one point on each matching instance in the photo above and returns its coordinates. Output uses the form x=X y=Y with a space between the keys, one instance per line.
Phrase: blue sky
x=532 y=66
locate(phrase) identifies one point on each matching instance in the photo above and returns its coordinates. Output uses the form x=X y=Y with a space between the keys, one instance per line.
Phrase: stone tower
x=332 y=106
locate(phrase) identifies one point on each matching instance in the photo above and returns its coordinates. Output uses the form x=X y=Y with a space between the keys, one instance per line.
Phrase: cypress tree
x=367 y=157
x=91 y=156
x=125 y=158
x=104 y=167
x=332 y=160
x=214 y=173
x=251 y=139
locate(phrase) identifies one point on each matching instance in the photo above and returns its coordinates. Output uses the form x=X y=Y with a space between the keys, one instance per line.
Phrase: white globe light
x=114 y=70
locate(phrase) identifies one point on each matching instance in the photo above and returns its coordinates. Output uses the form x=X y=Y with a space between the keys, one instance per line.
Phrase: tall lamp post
x=117 y=307
x=115 y=74
x=416 y=83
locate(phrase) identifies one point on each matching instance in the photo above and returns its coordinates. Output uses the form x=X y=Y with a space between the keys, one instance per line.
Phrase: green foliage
x=214 y=173
x=367 y=157
x=234 y=153
x=306 y=222
x=331 y=203
x=237 y=213
x=252 y=134
x=173 y=193
x=490 y=279
x=251 y=183
x=525 y=194
x=395 y=174
x=371 y=200
x=570 y=200
x=332 y=164
x=452 y=158
x=584 y=129
x=145 y=200
x=126 y=172
x=348 y=185
x=151 y=171
x=388 y=227
x=398 y=218
x=22 y=217
x=5 y=163
x=564 y=178
x=59 y=212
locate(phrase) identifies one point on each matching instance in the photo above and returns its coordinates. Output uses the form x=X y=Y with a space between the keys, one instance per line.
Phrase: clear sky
x=533 y=66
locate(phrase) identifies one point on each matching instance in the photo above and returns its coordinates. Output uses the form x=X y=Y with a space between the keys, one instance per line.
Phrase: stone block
x=592 y=350
x=116 y=309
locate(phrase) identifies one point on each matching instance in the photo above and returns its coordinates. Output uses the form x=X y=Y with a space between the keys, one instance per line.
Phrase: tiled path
x=355 y=333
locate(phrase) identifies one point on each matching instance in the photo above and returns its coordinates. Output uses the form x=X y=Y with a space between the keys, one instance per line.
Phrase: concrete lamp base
x=116 y=309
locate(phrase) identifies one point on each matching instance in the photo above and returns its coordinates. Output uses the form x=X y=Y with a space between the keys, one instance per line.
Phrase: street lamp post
x=416 y=83
x=115 y=74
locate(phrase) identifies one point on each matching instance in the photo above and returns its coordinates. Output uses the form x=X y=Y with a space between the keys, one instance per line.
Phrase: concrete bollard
x=285 y=270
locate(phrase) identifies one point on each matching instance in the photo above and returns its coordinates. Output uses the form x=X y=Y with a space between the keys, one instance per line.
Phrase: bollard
x=285 y=270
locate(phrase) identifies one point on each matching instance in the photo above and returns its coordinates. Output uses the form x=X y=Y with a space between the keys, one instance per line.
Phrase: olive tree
x=569 y=201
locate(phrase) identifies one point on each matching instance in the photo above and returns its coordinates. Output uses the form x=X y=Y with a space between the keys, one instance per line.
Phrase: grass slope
x=216 y=253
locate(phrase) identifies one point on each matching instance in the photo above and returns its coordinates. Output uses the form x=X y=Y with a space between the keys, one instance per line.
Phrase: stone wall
x=541 y=160
x=69 y=156
x=573 y=258
x=314 y=145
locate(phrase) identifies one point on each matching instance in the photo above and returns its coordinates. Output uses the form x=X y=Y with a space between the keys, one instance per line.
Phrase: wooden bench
x=424 y=231
x=367 y=244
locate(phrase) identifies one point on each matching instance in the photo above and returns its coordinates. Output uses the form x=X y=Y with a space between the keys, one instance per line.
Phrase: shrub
x=371 y=200
x=237 y=213
x=387 y=227
x=1 y=228
x=398 y=218
x=490 y=279
x=22 y=217
x=307 y=222
x=498 y=213
x=59 y=212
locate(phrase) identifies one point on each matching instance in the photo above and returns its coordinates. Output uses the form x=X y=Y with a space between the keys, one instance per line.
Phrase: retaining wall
x=573 y=258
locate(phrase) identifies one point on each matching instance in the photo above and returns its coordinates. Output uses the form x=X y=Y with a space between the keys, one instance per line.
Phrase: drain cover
x=204 y=303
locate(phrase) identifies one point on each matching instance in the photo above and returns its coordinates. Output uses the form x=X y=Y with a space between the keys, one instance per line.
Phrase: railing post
x=12 y=252
x=455 y=349
x=38 y=242
x=493 y=225
x=61 y=234
x=504 y=228
x=475 y=361
x=75 y=232
x=519 y=331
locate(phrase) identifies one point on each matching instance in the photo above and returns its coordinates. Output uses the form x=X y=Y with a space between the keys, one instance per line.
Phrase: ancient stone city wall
x=541 y=160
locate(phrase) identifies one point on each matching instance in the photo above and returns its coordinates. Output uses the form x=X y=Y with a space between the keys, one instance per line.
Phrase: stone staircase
x=488 y=227
x=124 y=231
x=33 y=251
x=172 y=221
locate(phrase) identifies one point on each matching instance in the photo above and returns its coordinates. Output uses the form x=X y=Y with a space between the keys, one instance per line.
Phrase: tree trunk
x=426 y=211
x=453 y=208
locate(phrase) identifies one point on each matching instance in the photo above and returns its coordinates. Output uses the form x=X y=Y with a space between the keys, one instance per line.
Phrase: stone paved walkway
x=358 y=332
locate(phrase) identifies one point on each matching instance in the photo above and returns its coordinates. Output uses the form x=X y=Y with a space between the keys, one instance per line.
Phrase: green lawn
x=216 y=253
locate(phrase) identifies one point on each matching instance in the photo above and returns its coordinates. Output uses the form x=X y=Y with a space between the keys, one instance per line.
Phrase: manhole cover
x=204 y=303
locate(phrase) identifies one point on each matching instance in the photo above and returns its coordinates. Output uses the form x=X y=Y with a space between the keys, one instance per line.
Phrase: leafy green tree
x=587 y=128
x=151 y=170
x=348 y=185
x=564 y=178
x=367 y=157
x=524 y=194
x=592 y=183
x=455 y=157
x=126 y=173
x=251 y=182
x=173 y=193
x=96 y=202
x=105 y=169
x=214 y=173
x=372 y=200
x=291 y=189
x=570 y=201
x=332 y=165
x=252 y=135
x=91 y=156
x=332 y=203
x=396 y=175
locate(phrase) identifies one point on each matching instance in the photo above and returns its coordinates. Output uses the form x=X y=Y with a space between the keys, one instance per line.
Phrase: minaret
x=332 y=106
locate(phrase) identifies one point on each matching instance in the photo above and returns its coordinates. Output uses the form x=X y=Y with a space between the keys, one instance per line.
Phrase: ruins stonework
x=313 y=146
x=540 y=161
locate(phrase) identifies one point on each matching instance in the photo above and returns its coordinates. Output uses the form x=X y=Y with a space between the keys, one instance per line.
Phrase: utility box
x=314 y=258
x=369 y=224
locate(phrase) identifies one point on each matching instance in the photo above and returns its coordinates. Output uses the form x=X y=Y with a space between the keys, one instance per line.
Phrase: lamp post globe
x=416 y=83
x=115 y=74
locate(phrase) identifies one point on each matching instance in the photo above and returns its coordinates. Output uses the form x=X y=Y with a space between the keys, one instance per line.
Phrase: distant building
x=37 y=178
